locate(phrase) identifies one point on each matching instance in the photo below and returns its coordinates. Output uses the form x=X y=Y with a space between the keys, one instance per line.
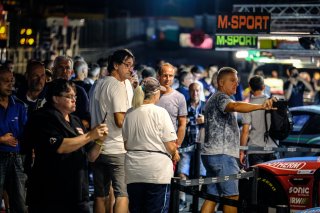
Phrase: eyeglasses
x=129 y=66
x=71 y=97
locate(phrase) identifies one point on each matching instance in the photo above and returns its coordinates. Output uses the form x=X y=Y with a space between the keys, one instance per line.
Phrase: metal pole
x=197 y=155
x=282 y=209
x=174 y=195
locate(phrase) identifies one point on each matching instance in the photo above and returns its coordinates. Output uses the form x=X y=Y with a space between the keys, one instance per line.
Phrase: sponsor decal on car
x=299 y=200
x=299 y=190
x=305 y=172
x=287 y=165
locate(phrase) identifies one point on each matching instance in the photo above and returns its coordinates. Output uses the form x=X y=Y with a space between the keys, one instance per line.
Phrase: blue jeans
x=12 y=179
x=185 y=163
x=148 y=197
x=221 y=165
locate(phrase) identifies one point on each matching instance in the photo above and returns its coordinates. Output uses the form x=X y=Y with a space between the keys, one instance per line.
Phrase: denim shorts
x=185 y=164
x=221 y=165
x=107 y=169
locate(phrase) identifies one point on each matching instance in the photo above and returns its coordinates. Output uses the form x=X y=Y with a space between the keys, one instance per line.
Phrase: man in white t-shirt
x=114 y=94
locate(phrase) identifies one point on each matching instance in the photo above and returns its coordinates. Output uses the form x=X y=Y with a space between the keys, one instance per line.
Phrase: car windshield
x=299 y=121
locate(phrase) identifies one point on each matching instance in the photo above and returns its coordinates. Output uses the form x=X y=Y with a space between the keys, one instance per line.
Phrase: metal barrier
x=191 y=186
x=280 y=149
x=266 y=149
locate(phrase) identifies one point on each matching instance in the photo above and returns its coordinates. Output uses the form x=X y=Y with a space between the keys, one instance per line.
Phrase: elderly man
x=63 y=68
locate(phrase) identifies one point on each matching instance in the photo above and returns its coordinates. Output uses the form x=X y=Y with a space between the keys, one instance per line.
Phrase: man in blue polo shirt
x=13 y=116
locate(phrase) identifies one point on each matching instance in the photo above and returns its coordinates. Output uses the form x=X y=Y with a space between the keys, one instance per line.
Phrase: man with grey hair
x=63 y=68
x=80 y=70
x=81 y=73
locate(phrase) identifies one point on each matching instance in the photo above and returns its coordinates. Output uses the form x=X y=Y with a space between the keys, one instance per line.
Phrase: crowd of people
x=125 y=123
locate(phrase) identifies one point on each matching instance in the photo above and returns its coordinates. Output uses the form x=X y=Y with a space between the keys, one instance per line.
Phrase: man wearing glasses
x=110 y=100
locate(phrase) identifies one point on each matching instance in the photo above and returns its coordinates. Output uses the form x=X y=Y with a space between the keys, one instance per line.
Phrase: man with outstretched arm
x=222 y=136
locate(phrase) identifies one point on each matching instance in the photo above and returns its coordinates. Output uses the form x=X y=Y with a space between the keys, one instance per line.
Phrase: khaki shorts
x=107 y=169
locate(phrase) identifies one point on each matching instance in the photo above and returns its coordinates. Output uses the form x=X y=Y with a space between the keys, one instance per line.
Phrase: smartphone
x=105 y=118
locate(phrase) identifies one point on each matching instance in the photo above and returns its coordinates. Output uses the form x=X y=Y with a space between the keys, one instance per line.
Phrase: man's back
x=256 y=120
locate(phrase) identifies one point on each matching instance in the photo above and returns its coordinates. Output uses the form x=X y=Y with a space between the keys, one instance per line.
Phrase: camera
x=295 y=75
x=280 y=104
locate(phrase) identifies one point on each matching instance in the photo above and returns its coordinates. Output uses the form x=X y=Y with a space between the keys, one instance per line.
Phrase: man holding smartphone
x=113 y=94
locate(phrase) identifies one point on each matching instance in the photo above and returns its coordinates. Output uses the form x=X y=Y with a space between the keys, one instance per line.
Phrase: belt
x=138 y=150
x=9 y=154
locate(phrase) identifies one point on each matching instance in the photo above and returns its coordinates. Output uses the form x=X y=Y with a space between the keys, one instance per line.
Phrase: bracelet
x=99 y=142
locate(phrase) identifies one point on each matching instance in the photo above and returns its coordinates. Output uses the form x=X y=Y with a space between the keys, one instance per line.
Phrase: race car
x=290 y=182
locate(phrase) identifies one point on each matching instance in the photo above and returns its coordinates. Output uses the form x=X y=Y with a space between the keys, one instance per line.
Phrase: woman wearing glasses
x=59 y=177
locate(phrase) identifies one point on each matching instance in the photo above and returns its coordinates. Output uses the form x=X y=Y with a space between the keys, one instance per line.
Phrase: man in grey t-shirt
x=173 y=101
x=257 y=120
x=221 y=145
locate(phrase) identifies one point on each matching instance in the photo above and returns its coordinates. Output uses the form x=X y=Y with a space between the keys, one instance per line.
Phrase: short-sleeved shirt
x=222 y=134
x=113 y=96
x=193 y=129
x=12 y=120
x=256 y=120
x=146 y=129
x=175 y=104
x=31 y=104
x=61 y=178
x=296 y=98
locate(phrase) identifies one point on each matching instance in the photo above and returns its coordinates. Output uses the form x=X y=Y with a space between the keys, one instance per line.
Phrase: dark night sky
x=115 y=8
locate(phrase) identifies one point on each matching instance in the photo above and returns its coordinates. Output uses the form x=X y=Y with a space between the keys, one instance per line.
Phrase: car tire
x=270 y=192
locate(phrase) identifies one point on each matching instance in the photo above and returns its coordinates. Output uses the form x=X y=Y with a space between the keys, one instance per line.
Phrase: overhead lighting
x=242 y=54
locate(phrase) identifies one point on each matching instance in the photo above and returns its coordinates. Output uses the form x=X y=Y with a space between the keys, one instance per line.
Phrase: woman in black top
x=59 y=177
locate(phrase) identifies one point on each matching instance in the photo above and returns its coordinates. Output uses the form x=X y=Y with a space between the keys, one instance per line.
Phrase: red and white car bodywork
x=299 y=179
